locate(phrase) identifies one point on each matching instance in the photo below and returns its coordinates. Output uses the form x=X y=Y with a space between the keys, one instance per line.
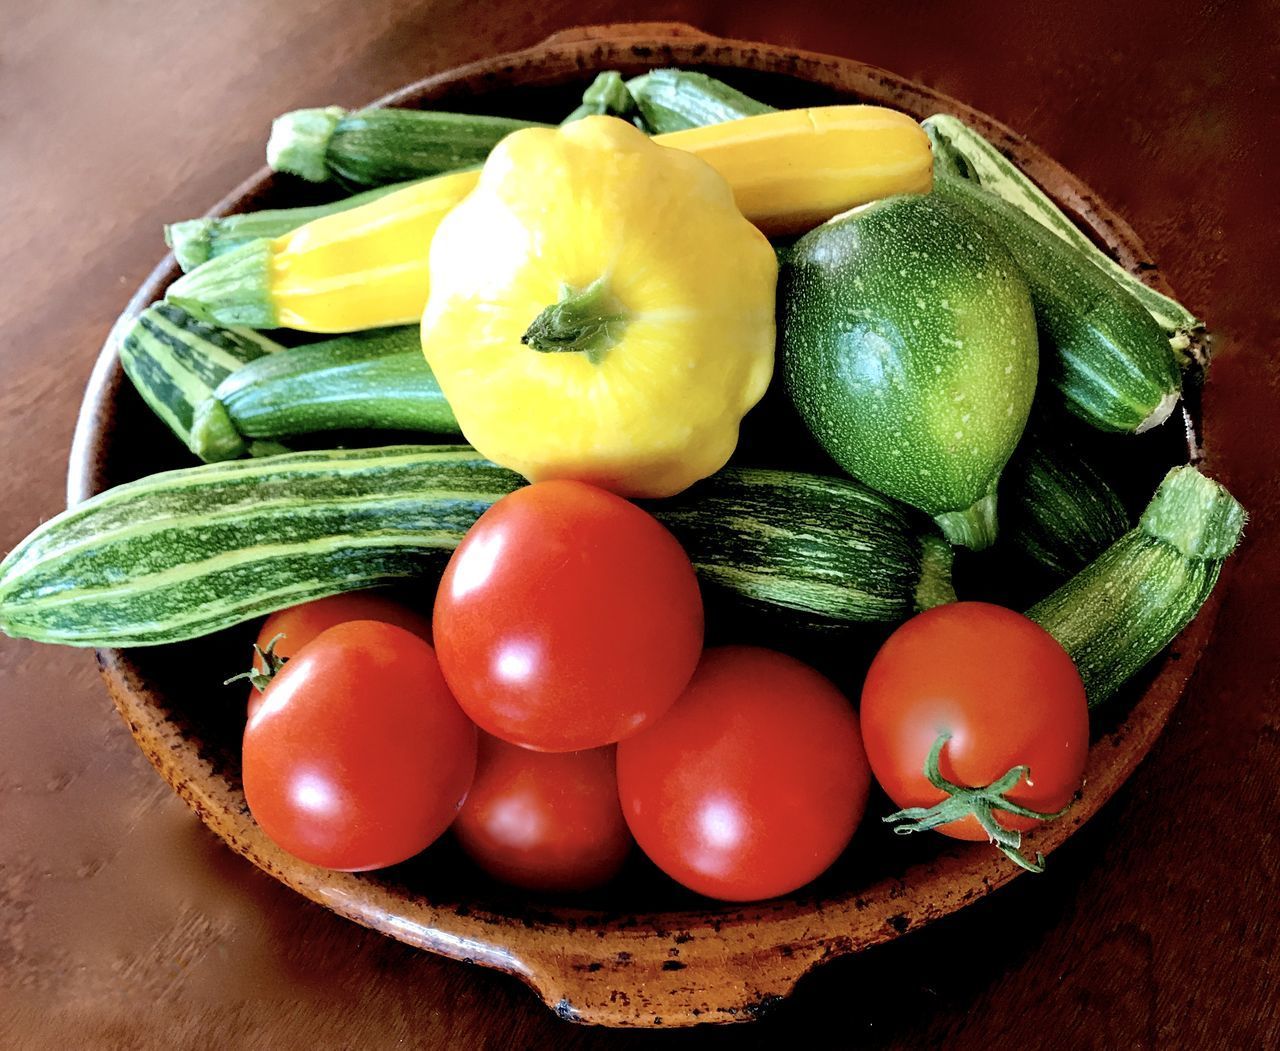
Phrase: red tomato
x=567 y=619
x=1003 y=689
x=294 y=627
x=753 y=783
x=544 y=821
x=358 y=757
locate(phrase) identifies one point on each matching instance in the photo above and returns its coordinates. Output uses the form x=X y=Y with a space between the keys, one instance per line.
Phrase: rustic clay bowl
x=642 y=953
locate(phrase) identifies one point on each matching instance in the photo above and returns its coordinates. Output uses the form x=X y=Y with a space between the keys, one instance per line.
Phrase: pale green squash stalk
x=607 y=95
x=195 y=241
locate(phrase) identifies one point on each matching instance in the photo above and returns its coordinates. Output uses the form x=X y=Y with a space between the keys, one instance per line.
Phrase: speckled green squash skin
x=909 y=348
x=1104 y=353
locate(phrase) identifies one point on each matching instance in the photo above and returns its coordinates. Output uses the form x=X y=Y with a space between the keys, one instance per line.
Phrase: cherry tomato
x=545 y=821
x=294 y=627
x=753 y=783
x=358 y=757
x=567 y=619
x=1004 y=691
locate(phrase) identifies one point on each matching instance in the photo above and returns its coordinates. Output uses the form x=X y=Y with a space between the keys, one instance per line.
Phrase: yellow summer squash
x=600 y=310
x=367 y=267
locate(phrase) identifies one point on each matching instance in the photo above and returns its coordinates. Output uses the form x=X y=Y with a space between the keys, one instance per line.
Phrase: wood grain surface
x=123 y=923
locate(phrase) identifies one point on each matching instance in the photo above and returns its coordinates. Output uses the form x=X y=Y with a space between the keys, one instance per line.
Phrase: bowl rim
x=722 y=963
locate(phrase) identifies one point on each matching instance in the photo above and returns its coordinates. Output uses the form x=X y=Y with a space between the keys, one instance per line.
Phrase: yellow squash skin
x=794 y=169
x=686 y=282
x=365 y=269
x=790 y=171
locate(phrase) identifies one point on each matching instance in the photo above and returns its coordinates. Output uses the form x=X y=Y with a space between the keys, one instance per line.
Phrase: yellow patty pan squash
x=600 y=310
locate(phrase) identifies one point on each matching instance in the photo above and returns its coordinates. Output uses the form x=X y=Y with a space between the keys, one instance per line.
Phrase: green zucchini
x=374 y=147
x=230 y=392
x=185 y=553
x=375 y=380
x=825 y=547
x=176 y=361
x=607 y=95
x=909 y=349
x=980 y=161
x=1128 y=604
x=1109 y=361
x=1058 y=509
x=676 y=99
x=195 y=241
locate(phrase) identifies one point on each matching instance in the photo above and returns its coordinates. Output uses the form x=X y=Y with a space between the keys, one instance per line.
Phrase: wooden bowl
x=642 y=953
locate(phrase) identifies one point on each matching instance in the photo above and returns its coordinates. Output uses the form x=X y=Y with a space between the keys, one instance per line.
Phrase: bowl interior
x=191 y=726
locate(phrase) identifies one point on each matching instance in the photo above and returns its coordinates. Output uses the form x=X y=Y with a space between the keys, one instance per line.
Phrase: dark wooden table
x=123 y=923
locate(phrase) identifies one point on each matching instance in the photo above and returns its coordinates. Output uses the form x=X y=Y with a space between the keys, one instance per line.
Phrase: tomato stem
x=271 y=663
x=980 y=802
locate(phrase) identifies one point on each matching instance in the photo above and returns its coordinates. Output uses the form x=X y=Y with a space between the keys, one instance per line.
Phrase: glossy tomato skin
x=358 y=757
x=545 y=821
x=567 y=619
x=294 y=627
x=753 y=783
x=1000 y=685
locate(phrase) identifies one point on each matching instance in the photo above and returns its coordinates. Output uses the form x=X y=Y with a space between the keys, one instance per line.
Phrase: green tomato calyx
x=979 y=802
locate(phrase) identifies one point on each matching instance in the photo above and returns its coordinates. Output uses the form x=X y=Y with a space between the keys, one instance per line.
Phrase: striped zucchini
x=826 y=547
x=676 y=99
x=1100 y=349
x=373 y=147
x=176 y=361
x=223 y=403
x=185 y=553
x=980 y=161
x=195 y=241
x=1129 y=603
x=374 y=380
x=1058 y=510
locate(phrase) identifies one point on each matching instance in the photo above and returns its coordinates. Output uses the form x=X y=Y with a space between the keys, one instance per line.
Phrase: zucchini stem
x=230 y=289
x=585 y=320
x=975 y=527
x=607 y=95
x=934 y=587
x=979 y=802
x=299 y=142
x=1195 y=515
x=214 y=435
